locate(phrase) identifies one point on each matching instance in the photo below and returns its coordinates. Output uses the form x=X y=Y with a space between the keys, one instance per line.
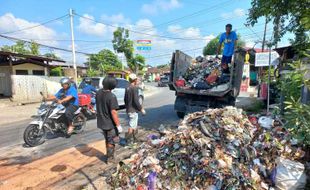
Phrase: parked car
x=163 y=81
x=119 y=91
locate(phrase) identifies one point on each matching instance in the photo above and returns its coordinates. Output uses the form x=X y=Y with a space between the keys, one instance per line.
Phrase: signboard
x=144 y=45
x=262 y=59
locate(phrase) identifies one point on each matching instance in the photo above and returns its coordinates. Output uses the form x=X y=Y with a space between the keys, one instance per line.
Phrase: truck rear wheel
x=180 y=114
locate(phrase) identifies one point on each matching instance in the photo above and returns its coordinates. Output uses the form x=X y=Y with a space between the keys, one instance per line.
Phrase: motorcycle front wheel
x=33 y=136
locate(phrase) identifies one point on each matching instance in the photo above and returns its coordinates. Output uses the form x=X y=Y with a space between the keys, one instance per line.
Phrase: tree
x=122 y=44
x=23 y=48
x=104 y=60
x=34 y=48
x=211 y=47
x=52 y=56
x=138 y=63
x=57 y=71
x=280 y=12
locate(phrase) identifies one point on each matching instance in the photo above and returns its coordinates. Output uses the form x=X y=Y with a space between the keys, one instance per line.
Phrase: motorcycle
x=88 y=103
x=51 y=118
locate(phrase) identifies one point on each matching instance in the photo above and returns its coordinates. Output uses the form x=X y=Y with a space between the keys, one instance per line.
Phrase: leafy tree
x=34 y=48
x=122 y=44
x=51 y=55
x=103 y=61
x=211 y=47
x=57 y=71
x=93 y=73
x=23 y=48
x=279 y=11
x=138 y=63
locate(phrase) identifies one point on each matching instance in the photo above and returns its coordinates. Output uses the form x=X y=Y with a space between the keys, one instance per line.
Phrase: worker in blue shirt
x=229 y=38
x=67 y=96
x=88 y=88
x=91 y=90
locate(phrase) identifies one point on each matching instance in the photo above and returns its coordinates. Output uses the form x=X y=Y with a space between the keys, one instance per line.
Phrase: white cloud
x=118 y=18
x=160 y=5
x=8 y=23
x=90 y=27
x=209 y=38
x=234 y=14
x=249 y=43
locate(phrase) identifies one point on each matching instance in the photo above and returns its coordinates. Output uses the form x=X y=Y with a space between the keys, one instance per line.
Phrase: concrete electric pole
x=73 y=45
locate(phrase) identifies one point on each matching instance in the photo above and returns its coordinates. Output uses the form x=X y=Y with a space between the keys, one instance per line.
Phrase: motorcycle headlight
x=41 y=111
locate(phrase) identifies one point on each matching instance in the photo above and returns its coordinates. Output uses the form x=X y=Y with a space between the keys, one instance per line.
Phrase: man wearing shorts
x=229 y=38
x=133 y=106
x=107 y=117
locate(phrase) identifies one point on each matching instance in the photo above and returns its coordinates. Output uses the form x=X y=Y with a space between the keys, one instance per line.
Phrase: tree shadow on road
x=90 y=151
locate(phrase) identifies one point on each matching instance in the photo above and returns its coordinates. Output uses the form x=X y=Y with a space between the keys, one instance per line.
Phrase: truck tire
x=180 y=114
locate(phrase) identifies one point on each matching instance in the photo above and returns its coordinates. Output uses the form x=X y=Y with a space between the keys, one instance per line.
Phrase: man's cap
x=133 y=76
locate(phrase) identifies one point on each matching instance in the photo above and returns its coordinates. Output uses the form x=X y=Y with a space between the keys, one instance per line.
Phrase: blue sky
x=167 y=18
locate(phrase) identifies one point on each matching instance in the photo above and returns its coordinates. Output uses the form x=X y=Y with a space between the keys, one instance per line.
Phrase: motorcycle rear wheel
x=79 y=123
x=33 y=136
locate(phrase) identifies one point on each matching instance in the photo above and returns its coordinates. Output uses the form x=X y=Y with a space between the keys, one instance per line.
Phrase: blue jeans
x=226 y=60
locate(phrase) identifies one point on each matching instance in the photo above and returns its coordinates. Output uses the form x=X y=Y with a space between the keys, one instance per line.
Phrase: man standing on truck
x=230 y=42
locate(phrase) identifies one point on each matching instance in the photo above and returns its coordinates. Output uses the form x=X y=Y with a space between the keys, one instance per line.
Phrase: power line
x=57 y=48
x=133 y=31
x=41 y=24
x=193 y=14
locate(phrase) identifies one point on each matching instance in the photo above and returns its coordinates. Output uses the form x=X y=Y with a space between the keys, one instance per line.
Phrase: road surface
x=59 y=158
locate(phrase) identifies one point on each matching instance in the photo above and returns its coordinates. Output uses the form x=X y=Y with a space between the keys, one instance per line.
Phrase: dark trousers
x=69 y=113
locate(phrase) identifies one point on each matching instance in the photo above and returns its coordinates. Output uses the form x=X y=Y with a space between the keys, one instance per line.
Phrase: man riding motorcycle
x=68 y=96
x=90 y=90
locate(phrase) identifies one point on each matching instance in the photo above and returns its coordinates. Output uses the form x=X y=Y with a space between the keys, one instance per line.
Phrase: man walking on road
x=230 y=42
x=133 y=106
x=107 y=117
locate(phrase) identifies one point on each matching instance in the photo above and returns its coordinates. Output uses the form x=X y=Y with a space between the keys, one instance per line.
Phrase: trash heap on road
x=204 y=74
x=215 y=149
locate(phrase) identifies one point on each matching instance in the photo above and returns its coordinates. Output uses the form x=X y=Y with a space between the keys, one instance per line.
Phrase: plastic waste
x=152 y=181
x=290 y=175
x=265 y=122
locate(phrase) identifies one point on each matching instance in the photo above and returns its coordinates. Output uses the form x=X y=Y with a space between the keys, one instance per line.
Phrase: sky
x=186 y=25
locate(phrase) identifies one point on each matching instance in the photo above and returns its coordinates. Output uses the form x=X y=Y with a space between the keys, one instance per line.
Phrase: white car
x=119 y=91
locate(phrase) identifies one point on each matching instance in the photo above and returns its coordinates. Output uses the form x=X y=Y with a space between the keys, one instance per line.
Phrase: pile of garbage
x=204 y=74
x=215 y=149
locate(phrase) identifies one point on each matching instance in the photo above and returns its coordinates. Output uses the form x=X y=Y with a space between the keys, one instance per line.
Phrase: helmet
x=133 y=77
x=65 y=81
x=87 y=80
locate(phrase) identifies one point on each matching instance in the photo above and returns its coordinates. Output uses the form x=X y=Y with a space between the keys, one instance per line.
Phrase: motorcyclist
x=88 y=88
x=68 y=96
x=91 y=90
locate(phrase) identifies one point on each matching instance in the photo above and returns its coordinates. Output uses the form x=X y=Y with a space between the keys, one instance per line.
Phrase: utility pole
x=264 y=37
x=269 y=77
x=73 y=46
x=260 y=69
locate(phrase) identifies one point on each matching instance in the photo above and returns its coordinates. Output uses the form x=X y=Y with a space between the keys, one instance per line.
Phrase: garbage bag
x=290 y=175
x=265 y=122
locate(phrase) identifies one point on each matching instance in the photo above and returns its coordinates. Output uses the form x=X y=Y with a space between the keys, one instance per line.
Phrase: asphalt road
x=159 y=108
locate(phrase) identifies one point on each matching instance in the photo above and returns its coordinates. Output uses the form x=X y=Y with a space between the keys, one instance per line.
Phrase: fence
x=27 y=88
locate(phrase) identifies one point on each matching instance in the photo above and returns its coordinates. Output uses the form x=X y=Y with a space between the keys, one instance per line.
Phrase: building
x=12 y=64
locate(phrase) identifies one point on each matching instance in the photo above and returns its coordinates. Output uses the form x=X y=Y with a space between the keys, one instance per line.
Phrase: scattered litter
x=215 y=149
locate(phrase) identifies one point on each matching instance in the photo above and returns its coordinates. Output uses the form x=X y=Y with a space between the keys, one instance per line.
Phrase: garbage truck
x=189 y=99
